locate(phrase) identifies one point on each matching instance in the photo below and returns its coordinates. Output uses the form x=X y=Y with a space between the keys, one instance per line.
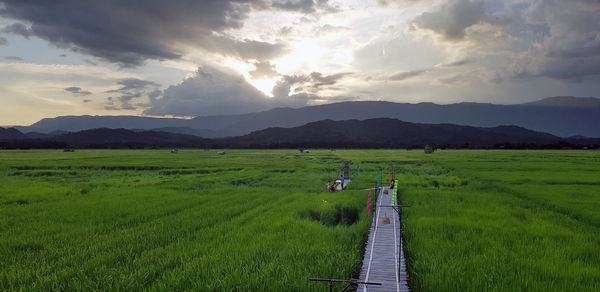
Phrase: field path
x=384 y=256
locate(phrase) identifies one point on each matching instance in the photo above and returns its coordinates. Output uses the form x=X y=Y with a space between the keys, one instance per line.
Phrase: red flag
x=369 y=204
x=392 y=173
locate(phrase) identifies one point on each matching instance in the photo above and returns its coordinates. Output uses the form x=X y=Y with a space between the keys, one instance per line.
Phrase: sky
x=186 y=58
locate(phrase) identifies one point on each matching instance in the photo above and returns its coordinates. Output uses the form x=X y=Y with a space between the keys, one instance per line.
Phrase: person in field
x=392 y=185
x=342 y=180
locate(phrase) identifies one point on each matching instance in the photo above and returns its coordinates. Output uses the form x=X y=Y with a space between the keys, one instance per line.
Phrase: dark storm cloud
x=16 y=28
x=3 y=41
x=551 y=39
x=570 y=50
x=129 y=32
x=77 y=90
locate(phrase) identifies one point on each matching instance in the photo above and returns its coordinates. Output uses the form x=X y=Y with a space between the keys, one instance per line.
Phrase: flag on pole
x=369 y=204
x=392 y=177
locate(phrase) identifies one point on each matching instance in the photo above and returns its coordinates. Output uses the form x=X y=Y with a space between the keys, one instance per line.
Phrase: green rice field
x=261 y=220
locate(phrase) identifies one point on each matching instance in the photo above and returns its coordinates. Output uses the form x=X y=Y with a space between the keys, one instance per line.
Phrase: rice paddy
x=256 y=220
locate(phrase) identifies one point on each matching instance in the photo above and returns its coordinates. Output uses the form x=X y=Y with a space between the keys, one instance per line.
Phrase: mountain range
x=371 y=133
x=563 y=116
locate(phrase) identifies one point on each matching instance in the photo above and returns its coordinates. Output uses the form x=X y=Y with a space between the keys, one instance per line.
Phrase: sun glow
x=263 y=85
x=301 y=58
x=303 y=54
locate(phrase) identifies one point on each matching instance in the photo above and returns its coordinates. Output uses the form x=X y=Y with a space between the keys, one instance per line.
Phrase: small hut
x=429 y=149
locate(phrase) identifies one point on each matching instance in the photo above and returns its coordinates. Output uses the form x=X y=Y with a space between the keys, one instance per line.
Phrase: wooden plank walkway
x=384 y=256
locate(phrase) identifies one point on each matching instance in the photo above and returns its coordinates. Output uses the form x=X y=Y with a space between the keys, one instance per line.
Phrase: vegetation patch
x=196 y=171
x=281 y=171
x=332 y=216
x=17 y=202
x=28 y=247
x=44 y=173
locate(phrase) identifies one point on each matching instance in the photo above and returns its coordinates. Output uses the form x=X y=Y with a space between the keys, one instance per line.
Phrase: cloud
x=131 y=90
x=129 y=32
x=213 y=91
x=284 y=86
x=406 y=75
x=13 y=58
x=309 y=84
x=328 y=28
x=16 y=28
x=518 y=39
x=3 y=41
x=569 y=48
x=264 y=69
x=77 y=90
x=402 y=2
x=319 y=80
x=459 y=63
x=452 y=19
x=86 y=100
x=90 y=62
x=305 y=6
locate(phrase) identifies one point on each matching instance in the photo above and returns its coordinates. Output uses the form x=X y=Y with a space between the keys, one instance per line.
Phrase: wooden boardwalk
x=384 y=256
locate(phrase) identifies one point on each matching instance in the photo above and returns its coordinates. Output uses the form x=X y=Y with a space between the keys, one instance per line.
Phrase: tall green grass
x=256 y=220
x=132 y=220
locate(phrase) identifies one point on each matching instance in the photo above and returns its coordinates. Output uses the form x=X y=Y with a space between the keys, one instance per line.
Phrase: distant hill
x=561 y=116
x=11 y=134
x=392 y=133
x=80 y=123
x=371 y=133
x=567 y=102
x=126 y=138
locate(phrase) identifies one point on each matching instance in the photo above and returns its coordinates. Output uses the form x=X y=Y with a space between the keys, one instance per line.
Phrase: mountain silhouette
x=371 y=133
x=561 y=116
